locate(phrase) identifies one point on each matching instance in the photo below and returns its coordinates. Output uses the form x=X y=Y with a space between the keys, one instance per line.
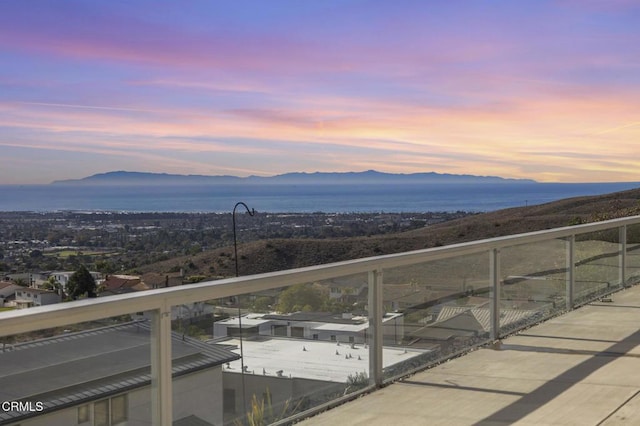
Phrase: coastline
x=299 y=198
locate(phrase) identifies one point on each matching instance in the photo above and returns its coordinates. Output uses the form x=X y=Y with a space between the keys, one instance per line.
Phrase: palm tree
x=53 y=284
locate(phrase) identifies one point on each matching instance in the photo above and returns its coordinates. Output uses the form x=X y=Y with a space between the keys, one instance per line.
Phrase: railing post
x=494 y=276
x=161 y=394
x=622 y=263
x=571 y=271
x=375 y=327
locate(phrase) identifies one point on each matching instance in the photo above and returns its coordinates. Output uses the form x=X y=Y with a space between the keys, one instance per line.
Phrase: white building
x=63 y=277
x=345 y=328
x=27 y=297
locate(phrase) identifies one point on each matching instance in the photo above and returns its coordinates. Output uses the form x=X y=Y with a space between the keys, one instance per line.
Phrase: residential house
x=8 y=292
x=120 y=284
x=102 y=376
x=348 y=290
x=26 y=297
x=457 y=326
x=155 y=280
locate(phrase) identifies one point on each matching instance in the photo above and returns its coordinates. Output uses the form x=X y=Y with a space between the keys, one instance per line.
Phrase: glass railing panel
x=196 y=366
x=597 y=257
x=94 y=373
x=633 y=255
x=533 y=283
x=433 y=310
x=277 y=352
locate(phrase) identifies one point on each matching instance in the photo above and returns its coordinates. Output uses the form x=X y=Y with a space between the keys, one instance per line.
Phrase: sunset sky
x=546 y=90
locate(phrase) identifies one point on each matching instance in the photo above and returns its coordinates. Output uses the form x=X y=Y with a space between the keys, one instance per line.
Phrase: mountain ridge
x=368 y=176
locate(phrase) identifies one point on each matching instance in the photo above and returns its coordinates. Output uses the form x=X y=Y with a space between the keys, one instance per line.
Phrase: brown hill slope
x=278 y=254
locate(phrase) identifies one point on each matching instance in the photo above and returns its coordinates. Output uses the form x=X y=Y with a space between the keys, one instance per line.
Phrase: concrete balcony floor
x=581 y=368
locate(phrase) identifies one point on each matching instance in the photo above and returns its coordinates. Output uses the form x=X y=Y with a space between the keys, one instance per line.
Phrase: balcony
x=506 y=304
x=575 y=369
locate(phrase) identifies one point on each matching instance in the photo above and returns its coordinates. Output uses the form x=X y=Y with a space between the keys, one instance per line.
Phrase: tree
x=54 y=285
x=80 y=283
x=300 y=297
x=105 y=266
x=262 y=304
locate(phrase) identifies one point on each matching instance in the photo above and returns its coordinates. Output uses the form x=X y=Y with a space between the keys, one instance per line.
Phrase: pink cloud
x=383 y=89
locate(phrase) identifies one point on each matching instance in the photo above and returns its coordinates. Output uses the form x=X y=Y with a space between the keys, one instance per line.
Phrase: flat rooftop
x=309 y=359
x=581 y=368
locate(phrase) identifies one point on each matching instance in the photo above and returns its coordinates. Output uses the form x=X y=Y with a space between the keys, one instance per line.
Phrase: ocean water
x=481 y=197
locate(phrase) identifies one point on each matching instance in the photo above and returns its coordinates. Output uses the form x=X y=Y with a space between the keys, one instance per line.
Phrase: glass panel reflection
x=434 y=309
x=597 y=257
x=279 y=352
x=534 y=282
x=632 y=272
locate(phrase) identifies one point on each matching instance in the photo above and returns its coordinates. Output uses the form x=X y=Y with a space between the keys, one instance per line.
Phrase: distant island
x=366 y=177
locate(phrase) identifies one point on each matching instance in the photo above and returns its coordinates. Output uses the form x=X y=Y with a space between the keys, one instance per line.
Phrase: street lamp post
x=235 y=252
x=251 y=212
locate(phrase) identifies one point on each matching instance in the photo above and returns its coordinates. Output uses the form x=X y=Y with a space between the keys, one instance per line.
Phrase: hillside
x=278 y=254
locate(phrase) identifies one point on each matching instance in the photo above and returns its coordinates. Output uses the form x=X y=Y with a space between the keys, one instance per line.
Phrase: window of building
x=333 y=337
x=279 y=330
x=119 y=409
x=351 y=339
x=101 y=413
x=315 y=337
x=111 y=412
x=84 y=414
